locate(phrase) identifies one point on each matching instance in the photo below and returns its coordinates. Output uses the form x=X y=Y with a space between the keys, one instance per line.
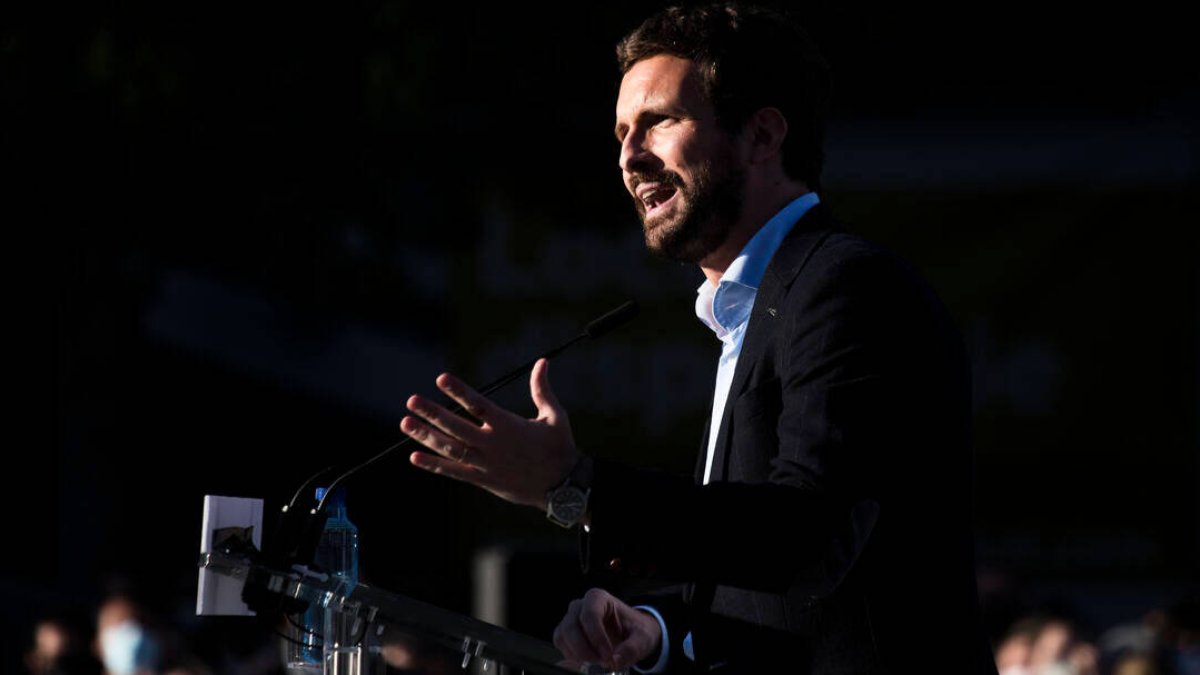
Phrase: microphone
x=298 y=532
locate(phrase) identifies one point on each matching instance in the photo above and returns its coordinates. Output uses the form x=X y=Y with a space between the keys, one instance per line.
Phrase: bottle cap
x=338 y=498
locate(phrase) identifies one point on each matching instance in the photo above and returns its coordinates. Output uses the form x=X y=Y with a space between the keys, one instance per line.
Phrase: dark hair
x=749 y=58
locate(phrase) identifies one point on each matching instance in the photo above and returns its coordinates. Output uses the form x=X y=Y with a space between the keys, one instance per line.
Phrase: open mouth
x=656 y=197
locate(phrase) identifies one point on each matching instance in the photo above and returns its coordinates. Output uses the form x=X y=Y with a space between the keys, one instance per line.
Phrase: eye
x=662 y=120
x=646 y=121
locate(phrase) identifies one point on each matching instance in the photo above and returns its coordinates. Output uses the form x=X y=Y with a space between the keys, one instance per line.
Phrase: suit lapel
x=703 y=454
x=765 y=317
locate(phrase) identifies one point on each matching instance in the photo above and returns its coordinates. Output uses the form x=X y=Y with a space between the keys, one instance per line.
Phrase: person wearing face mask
x=126 y=644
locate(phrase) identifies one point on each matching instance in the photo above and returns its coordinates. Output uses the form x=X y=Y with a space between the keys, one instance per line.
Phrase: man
x=829 y=526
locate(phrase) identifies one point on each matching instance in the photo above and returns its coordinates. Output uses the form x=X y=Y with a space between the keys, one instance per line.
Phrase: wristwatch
x=566 y=504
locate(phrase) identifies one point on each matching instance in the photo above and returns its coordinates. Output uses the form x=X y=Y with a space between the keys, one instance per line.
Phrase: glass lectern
x=379 y=621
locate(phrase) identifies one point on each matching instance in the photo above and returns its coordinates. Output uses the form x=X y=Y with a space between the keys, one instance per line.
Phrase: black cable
x=307 y=484
x=357 y=641
x=299 y=626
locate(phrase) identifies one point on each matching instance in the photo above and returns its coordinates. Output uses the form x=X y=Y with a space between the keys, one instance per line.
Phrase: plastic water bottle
x=328 y=641
x=337 y=554
x=337 y=551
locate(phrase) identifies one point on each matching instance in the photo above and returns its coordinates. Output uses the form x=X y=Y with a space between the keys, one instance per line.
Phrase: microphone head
x=613 y=319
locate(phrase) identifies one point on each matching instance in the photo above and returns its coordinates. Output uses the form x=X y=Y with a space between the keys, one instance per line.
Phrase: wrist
x=567 y=502
x=656 y=660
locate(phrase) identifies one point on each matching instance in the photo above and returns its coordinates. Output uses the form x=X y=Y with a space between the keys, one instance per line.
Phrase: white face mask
x=127 y=648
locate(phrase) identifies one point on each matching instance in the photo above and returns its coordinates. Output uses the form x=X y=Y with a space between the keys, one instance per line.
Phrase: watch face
x=568 y=504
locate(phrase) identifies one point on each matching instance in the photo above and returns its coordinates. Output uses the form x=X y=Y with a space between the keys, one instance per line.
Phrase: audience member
x=59 y=649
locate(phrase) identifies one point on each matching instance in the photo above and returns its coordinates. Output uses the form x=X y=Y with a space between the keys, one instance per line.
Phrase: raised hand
x=515 y=458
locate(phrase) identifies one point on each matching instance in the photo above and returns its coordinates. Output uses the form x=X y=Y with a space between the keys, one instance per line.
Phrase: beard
x=705 y=211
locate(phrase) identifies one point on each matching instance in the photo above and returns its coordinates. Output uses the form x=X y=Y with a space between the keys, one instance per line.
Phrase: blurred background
x=242 y=234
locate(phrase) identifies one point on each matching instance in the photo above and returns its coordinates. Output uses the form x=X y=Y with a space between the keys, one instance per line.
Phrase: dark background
x=241 y=235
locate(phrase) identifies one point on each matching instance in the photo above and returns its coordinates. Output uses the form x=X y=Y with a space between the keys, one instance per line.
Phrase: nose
x=634 y=151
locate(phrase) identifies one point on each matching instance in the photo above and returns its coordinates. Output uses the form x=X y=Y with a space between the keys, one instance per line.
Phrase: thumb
x=541 y=392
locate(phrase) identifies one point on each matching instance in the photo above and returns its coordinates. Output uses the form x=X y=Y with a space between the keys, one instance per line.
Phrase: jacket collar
x=765 y=318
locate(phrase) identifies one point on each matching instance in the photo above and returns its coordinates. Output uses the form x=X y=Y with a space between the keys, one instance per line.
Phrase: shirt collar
x=725 y=307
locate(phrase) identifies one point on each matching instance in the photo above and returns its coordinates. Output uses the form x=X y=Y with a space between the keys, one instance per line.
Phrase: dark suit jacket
x=836 y=533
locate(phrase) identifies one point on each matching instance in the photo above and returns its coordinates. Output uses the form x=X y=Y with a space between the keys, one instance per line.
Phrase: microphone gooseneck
x=613 y=319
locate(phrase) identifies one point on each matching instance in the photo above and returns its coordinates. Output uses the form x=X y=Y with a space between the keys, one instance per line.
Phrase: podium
x=379 y=618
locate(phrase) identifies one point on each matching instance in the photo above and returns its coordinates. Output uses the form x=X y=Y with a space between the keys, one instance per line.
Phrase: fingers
x=472 y=401
x=593 y=627
x=451 y=448
x=446 y=467
x=570 y=639
x=576 y=635
x=592 y=621
x=448 y=423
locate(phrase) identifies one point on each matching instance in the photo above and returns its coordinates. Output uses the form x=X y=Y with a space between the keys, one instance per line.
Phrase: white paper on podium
x=231 y=516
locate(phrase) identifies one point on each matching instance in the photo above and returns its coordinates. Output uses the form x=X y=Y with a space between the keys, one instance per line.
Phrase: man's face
x=679 y=166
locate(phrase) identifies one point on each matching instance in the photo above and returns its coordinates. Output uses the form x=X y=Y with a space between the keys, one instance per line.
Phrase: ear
x=764 y=134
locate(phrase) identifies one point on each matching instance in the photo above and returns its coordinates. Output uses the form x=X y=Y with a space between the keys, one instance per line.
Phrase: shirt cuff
x=664 y=647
